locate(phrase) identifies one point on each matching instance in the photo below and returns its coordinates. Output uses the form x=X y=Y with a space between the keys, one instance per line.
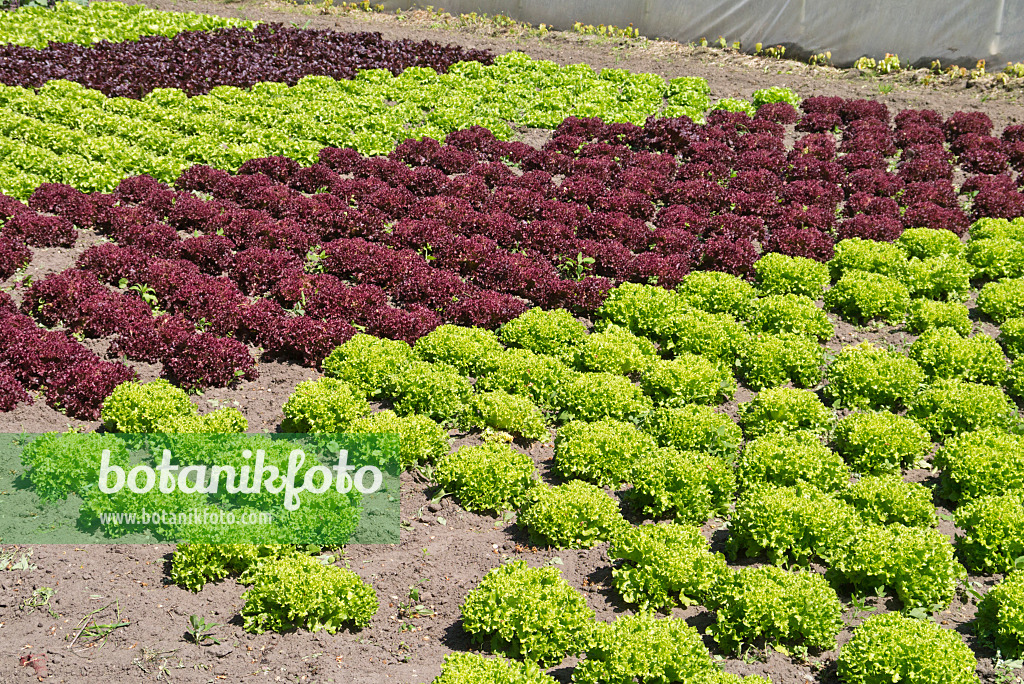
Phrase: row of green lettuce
x=85 y=24
x=67 y=133
x=533 y=618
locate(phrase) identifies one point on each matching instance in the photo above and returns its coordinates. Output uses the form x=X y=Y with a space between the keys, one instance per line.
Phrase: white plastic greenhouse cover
x=919 y=31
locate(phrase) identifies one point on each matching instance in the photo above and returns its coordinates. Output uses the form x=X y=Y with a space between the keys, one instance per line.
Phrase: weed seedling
x=200 y=632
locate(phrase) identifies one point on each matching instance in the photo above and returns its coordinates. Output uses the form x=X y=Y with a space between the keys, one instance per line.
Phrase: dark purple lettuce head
x=818 y=145
x=930 y=215
x=779 y=112
x=200 y=178
x=280 y=169
x=861 y=110
x=819 y=122
x=13 y=255
x=340 y=160
x=80 y=389
x=963 y=123
x=407 y=324
x=39 y=230
x=485 y=309
x=805 y=242
x=730 y=256
x=917 y=117
x=203 y=360
x=585 y=128
x=878 y=227
x=876 y=182
x=911 y=136
x=11 y=392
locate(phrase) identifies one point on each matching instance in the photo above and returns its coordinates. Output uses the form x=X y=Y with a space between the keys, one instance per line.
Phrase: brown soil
x=444 y=551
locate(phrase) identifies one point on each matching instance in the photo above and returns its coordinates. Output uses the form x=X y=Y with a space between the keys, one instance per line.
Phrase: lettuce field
x=690 y=382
